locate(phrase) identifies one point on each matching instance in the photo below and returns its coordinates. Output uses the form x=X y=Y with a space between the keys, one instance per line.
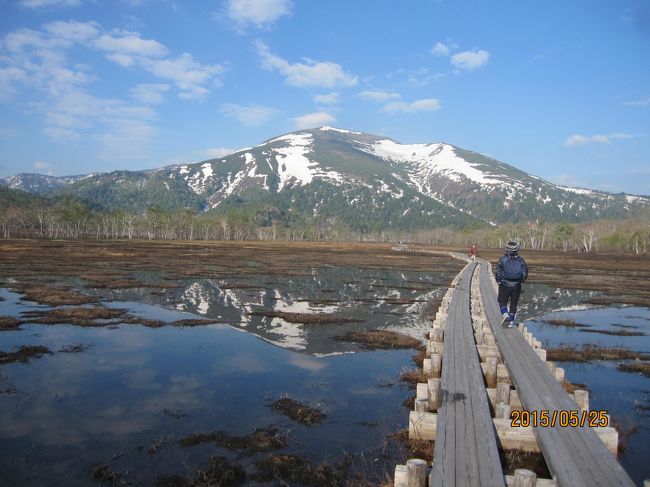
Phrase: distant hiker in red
x=473 y=251
x=511 y=272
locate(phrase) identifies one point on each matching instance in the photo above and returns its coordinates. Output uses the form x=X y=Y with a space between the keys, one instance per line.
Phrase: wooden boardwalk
x=473 y=364
x=466 y=448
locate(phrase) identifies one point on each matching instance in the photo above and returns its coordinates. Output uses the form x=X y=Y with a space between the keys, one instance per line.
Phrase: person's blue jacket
x=511 y=270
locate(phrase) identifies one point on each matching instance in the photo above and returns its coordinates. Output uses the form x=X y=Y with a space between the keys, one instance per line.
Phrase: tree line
x=68 y=218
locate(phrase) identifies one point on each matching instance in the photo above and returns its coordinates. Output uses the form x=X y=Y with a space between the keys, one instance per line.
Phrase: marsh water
x=133 y=392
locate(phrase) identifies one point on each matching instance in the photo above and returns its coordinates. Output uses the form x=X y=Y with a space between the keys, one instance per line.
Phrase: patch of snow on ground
x=292 y=162
x=207 y=170
x=636 y=199
x=577 y=190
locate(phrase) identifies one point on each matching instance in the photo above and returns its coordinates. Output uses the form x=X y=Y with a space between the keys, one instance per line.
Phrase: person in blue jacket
x=511 y=272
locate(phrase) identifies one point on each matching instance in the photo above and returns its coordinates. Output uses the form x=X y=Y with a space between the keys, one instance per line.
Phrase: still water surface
x=135 y=387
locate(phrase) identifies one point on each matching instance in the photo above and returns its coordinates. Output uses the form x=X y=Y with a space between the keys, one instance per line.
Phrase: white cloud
x=309 y=74
x=642 y=102
x=333 y=98
x=126 y=48
x=73 y=31
x=217 y=152
x=9 y=78
x=424 y=105
x=577 y=140
x=249 y=115
x=315 y=119
x=440 y=49
x=190 y=77
x=569 y=180
x=379 y=95
x=470 y=60
x=187 y=74
x=42 y=165
x=124 y=131
x=259 y=13
x=149 y=93
x=49 y=3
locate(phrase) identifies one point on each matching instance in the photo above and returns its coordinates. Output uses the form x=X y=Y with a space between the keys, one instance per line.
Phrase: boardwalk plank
x=466 y=450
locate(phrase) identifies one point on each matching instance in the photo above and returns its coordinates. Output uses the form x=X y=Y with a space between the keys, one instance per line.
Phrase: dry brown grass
x=637 y=367
x=571 y=387
x=297 y=411
x=24 y=354
x=570 y=353
x=379 y=339
x=260 y=440
x=512 y=460
x=79 y=316
x=618 y=333
x=417 y=448
x=9 y=323
x=413 y=377
x=565 y=323
x=53 y=296
x=293 y=469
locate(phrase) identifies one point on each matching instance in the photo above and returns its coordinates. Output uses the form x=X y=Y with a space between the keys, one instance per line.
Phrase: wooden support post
x=480 y=337
x=551 y=367
x=434 y=394
x=541 y=353
x=582 y=399
x=559 y=374
x=491 y=371
x=485 y=351
x=502 y=411
x=489 y=339
x=525 y=478
x=502 y=374
x=422 y=391
x=421 y=405
x=423 y=426
x=503 y=393
x=435 y=347
x=436 y=364
x=426 y=367
x=515 y=403
x=416 y=471
x=437 y=334
x=401 y=476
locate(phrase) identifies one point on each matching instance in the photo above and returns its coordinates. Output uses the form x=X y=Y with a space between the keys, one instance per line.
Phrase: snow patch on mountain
x=294 y=165
x=326 y=128
x=578 y=190
x=430 y=159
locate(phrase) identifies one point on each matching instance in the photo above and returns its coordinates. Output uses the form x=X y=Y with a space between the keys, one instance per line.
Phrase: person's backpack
x=513 y=269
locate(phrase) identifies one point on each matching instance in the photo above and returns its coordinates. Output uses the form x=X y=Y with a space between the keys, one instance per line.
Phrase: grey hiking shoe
x=505 y=322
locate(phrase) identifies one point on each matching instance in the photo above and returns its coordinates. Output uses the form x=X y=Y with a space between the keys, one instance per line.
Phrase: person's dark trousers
x=509 y=292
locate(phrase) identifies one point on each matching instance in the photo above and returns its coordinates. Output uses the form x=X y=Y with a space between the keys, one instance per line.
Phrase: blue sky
x=559 y=89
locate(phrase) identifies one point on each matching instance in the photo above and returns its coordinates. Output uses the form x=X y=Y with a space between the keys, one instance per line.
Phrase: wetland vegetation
x=131 y=354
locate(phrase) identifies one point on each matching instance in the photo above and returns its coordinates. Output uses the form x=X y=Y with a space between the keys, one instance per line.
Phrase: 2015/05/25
x=562 y=418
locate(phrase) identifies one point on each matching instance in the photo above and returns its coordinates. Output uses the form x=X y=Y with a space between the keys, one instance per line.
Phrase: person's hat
x=512 y=247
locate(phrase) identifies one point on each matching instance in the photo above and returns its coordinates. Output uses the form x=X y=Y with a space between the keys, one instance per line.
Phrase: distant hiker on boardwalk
x=473 y=251
x=511 y=272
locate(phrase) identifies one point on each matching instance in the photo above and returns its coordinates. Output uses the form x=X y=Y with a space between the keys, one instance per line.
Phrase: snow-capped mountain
x=348 y=176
